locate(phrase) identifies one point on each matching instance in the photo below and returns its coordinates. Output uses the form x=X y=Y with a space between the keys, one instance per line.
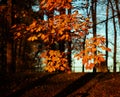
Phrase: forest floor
x=29 y=84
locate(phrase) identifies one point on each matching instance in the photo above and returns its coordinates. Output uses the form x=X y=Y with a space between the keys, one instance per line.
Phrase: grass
x=60 y=85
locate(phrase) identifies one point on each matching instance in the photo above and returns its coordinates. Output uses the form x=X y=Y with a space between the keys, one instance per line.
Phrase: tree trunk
x=10 y=42
x=3 y=40
x=107 y=12
x=94 y=20
x=83 y=46
x=115 y=38
x=83 y=54
x=13 y=63
x=118 y=10
x=69 y=47
x=3 y=46
x=62 y=42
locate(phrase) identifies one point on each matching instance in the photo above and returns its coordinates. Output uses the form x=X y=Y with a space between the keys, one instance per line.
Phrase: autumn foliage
x=58 y=28
x=55 y=4
x=55 y=61
x=93 y=53
x=63 y=27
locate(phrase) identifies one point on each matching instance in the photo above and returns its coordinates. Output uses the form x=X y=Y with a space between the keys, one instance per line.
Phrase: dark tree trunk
x=6 y=39
x=52 y=45
x=118 y=10
x=3 y=41
x=24 y=57
x=3 y=47
x=13 y=64
x=115 y=38
x=94 y=22
x=69 y=47
x=83 y=67
x=107 y=9
x=62 y=42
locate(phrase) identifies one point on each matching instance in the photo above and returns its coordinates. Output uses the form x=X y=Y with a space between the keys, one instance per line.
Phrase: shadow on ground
x=28 y=86
x=70 y=88
x=76 y=85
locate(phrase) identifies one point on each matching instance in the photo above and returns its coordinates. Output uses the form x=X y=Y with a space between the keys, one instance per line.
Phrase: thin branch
x=107 y=19
x=111 y=43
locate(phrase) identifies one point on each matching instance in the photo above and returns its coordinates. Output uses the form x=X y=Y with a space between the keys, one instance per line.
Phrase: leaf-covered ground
x=60 y=85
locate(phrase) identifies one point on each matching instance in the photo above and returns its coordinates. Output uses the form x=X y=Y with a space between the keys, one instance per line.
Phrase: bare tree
x=118 y=10
x=106 y=24
x=115 y=37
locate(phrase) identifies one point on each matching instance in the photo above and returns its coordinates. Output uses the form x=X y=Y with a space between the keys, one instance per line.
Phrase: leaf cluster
x=92 y=54
x=55 y=61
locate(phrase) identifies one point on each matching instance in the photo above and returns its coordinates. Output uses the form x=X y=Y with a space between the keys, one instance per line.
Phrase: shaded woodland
x=24 y=34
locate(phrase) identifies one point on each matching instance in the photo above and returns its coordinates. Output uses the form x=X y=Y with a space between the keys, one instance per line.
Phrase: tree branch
x=106 y=20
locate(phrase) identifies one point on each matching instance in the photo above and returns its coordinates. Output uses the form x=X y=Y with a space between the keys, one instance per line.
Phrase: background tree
x=6 y=38
x=94 y=20
x=115 y=37
x=106 y=24
x=118 y=10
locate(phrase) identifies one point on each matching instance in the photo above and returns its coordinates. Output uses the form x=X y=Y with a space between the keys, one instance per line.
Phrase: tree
x=22 y=15
x=3 y=42
x=69 y=47
x=106 y=33
x=115 y=37
x=90 y=59
x=6 y=42
x=57 y=31
x=118 y=10
x=94 y=3
x=57 y=28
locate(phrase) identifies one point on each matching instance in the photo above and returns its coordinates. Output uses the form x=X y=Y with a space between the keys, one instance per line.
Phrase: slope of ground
x=60 y=85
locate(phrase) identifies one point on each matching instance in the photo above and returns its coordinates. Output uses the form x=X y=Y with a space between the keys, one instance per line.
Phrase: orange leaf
x=101 y=59
x=14 y=26
x=62 y=38
x=18 y=34
x=69 y=0
x=43 y=2
x=62 y=68
x=108 y=49
x=53 y=31
x=91 y=65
